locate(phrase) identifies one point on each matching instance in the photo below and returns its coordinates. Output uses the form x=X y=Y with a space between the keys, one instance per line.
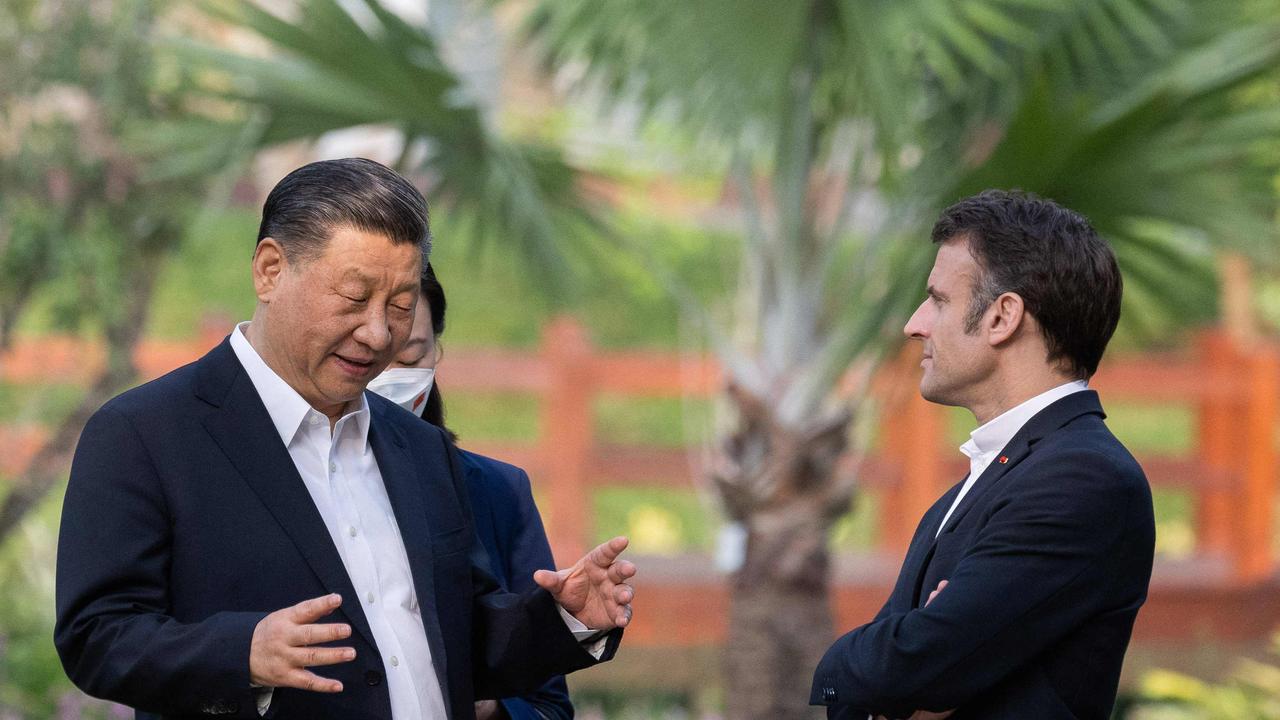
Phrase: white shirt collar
x=996 y=433
x=288 y=409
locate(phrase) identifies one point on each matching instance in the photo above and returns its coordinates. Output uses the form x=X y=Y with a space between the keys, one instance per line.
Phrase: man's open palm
x=595 y=589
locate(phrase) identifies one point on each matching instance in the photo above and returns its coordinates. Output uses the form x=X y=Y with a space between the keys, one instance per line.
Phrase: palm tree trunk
x=780 y=616
x=781 y=484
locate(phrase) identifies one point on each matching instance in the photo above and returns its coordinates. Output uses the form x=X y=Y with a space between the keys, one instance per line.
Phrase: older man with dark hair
x=1019 y=591
x=255 y=535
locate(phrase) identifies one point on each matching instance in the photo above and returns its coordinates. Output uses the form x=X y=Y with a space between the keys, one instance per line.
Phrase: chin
x=343 y=391
x=934 y=394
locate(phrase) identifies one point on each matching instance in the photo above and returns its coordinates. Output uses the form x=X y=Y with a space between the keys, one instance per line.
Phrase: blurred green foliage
x=1251 y=692
x=31 y=677
x=82 y=224
x=83 y=230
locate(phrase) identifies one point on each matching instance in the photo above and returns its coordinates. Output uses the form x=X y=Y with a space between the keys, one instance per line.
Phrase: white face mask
x=406 y=387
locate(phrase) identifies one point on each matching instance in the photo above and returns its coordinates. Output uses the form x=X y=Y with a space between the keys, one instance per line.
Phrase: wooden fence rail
x=1230 y=471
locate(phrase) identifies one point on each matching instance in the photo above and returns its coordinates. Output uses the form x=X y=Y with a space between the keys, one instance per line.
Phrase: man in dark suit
x=254 y=535
x=1019 y=591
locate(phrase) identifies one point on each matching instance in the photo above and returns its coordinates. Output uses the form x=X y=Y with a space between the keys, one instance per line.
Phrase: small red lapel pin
x=1004 y=459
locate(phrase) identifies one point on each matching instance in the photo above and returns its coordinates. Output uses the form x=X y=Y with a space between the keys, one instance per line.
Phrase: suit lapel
x=1011 y=454
x=1053 y=417
x=405 y=488
x=245 y=433
x=921 y=549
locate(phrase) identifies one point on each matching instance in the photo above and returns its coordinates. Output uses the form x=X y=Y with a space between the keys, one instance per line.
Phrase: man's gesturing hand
x=595 y=589
x=282 y=646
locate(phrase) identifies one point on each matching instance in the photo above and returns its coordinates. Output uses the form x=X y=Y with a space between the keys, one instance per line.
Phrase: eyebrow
x=366 y=280
x=414 y=345
x=934 y=292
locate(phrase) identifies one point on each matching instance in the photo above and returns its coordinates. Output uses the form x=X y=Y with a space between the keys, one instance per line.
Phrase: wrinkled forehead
x=384 y=277
x=373 y=260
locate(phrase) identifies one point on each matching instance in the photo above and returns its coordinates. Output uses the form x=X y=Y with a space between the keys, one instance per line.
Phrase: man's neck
x=1008 y=391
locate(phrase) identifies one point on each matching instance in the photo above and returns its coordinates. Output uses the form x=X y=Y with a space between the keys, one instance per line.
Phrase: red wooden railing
x=1230 y=472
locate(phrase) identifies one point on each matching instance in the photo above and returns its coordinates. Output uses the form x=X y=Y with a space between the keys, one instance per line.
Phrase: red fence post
x=912 y=429
x=565 y=438
x=1257 y=493
x=1214 y=512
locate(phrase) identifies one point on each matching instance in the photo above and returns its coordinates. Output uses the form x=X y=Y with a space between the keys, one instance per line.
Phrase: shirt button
x=333 y=467
x=369 y=596
x=351 y=531
x=395 y=661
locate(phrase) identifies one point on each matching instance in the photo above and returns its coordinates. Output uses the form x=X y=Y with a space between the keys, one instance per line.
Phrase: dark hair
x=1051 y=257
x=305 y=207
x=433 y=411
x=434 y=293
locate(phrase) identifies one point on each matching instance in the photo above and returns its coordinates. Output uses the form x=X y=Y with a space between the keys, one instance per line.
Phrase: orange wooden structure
x=1225 y=589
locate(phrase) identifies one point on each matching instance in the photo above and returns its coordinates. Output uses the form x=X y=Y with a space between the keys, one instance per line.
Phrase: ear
x=269 y=265
x=1003 y=319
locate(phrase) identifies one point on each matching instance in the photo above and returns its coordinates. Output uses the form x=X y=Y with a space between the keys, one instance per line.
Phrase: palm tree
x=842 y=127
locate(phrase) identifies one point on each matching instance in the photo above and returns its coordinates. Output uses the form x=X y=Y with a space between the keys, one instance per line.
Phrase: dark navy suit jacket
x=186 y=522
x=1047 y=558
x=510 y=529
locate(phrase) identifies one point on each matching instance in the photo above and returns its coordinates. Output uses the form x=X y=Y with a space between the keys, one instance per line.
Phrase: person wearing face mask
x=507 y=520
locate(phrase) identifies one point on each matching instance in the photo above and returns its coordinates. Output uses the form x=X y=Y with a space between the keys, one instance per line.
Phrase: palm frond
x=520 y=194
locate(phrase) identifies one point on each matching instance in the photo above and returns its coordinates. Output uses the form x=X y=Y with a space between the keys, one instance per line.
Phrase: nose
x=374 y=333
x=916 y=329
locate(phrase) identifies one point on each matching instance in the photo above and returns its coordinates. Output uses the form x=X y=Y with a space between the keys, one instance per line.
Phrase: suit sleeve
x=1044 y=563
x=518 y=641
x=113 y=631
x=530 y=551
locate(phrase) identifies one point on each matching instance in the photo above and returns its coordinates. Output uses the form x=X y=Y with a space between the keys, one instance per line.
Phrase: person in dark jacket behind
x=506 y=518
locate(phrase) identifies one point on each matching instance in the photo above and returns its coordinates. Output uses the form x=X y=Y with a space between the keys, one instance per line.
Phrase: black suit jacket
x=1047 y=559
x=510 y=529
x=186 y=522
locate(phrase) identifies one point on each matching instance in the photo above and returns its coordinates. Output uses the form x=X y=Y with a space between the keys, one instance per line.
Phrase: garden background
x=637 y=205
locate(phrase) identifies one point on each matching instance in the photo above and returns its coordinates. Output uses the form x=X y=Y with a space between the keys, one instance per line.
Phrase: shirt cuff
x=263 y=699
x=583 y=634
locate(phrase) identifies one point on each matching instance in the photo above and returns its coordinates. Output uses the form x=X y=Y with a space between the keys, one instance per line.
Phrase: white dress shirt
x=988 y=440
x=344 y=481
